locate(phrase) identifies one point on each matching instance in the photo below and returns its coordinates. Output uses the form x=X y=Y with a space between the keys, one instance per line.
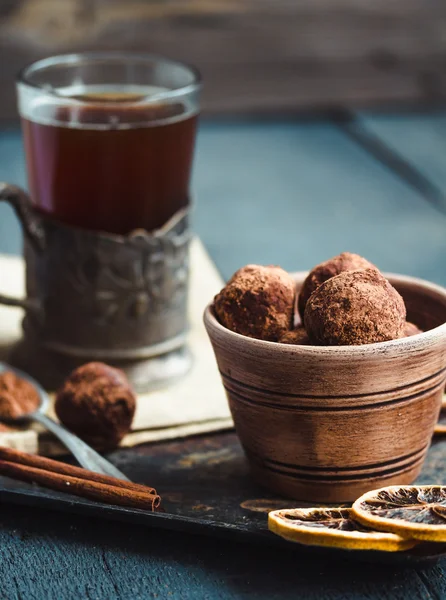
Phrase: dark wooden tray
x=206 y=489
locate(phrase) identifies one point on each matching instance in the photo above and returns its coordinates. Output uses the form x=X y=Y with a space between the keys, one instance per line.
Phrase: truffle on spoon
x=18 y=397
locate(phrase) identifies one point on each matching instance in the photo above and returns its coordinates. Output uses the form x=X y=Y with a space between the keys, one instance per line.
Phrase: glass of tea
x=109 y=138
x=109 y=141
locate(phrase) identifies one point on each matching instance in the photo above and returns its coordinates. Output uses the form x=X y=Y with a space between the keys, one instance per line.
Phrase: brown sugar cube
x=97 y=403
x=346 y=261
x=410 y=329
x=298 y=337
x=355 y=307
x=257 y=302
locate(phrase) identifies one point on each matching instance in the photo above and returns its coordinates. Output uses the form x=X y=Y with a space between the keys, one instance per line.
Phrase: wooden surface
x=207 y=489
x=255 y=55
x=54 y=557
x=421 y=142
x=291 y=192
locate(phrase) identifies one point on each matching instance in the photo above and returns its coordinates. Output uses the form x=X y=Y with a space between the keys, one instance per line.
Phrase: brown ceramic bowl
x=325 y=424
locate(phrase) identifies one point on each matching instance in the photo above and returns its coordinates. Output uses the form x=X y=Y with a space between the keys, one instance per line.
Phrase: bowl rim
x=420 y=340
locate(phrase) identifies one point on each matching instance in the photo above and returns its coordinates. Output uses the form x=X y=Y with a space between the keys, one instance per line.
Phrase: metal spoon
x=86 y=456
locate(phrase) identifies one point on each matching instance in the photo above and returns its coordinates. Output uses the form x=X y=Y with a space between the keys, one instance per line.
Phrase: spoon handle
x=86 y=456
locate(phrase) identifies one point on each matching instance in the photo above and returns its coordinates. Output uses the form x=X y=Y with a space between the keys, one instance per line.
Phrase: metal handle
x=86 y=456
x=32 y=228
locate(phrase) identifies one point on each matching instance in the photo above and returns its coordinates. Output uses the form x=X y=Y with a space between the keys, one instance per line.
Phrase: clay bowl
x=325 y=424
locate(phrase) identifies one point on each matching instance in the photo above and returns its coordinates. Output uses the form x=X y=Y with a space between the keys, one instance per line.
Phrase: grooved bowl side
x=326 y=424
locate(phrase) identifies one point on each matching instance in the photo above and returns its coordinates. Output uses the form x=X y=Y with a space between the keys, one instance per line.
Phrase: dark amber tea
x=110 y=161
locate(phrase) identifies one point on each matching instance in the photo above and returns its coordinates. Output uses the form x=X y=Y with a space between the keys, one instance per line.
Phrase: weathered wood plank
x=256 y=55
x=419 y=139
x=47 y=555
x=294 y=194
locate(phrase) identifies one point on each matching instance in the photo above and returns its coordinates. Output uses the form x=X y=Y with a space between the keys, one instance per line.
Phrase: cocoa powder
x=17 y=396
x=297 y=337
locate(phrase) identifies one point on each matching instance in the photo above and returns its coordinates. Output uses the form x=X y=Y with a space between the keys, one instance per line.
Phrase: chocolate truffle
x=97 y=403
x=296 y=336
x=17 y=396
x=410 y=329
x=257 y=302
x=355 y=307
x=346 y=261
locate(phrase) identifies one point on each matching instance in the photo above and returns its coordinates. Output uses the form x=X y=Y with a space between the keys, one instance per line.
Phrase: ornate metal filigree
x=98 y=295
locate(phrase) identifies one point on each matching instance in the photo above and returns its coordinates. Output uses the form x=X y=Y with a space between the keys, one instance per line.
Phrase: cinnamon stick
x=41 y=462
x=75 y=480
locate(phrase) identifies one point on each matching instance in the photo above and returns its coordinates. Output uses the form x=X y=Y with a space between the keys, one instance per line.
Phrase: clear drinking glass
x=109 y=138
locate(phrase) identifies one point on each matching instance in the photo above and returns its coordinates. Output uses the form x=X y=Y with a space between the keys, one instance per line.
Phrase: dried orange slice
x=415 y=511
x=332 y=527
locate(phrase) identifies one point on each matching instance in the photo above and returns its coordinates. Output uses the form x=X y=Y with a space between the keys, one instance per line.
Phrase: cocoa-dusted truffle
x=346 y=261
x=410 y=329
x=17 y=396
x=355 y=307
x=257 y=302
x=97 y=403
x=296 y=336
